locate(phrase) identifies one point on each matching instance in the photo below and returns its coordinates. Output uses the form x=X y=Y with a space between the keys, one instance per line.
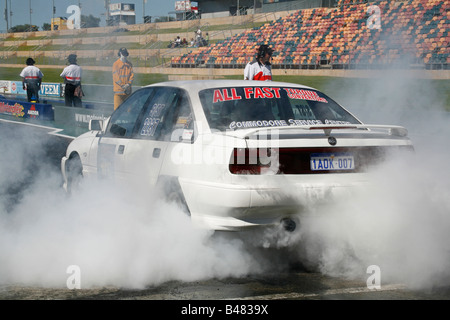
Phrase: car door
x=143 y=155
x=108 y=151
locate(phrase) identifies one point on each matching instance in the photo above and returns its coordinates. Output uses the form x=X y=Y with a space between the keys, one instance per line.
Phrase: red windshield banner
x=304 y=95
x=225 y=95
x=229 y=94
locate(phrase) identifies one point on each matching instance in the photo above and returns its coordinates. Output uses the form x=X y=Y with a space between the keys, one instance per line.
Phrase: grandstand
x=97 y=47
x=413 y=34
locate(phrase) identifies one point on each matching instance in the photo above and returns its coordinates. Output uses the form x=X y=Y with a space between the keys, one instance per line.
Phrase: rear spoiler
x=398 y=131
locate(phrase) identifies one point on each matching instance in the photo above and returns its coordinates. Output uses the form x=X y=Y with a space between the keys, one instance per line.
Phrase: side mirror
x=95 y=125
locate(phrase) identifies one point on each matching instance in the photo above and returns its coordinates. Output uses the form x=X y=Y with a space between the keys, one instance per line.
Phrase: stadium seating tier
x=410 y=33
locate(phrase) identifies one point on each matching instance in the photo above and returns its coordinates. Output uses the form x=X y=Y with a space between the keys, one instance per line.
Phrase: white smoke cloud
x=131 y=238
x=116 y=237
x=120 y=237
x=401 y=222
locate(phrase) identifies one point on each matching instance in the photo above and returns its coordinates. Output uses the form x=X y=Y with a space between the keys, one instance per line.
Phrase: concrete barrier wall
x=106 y=39
x=78 y=117
x=186 y=24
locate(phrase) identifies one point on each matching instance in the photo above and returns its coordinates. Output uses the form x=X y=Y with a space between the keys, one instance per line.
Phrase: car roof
x=205 y=84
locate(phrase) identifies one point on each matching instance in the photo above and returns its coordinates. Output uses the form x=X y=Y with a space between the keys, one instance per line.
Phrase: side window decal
x=163 y=114
x=124 y=119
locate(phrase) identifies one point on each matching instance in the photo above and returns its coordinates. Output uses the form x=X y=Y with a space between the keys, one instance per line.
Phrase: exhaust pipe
x=288 y=224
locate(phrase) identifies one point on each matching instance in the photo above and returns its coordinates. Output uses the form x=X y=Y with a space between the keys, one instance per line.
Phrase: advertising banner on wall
x=50 y=89
x=24 y=110
x=5 y=86
x=79 y=117
x=16 y=87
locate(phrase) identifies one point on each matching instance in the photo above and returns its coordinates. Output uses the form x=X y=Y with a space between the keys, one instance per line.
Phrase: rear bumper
x=234 y=207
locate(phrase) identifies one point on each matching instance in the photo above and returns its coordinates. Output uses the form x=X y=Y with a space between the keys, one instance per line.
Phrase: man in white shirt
x=260 y=68
x=31 y=80
x=178 y=42
x=198 y=37
x=72 y=80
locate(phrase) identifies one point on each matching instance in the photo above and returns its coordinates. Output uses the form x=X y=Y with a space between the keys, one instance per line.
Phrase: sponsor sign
x=50 y=89
x=5 y=87
x=24 y=110
x=114 y=7
x=79 y=117
x=117 y=7
x=15 y=87
x=182 y=6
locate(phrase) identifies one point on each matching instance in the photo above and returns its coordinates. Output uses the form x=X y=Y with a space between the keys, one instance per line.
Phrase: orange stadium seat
x=341 y=35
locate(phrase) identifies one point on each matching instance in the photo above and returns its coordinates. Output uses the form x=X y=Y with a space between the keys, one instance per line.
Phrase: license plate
x=332 y=161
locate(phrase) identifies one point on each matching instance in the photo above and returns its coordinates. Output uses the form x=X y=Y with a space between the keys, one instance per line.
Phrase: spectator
x=31 y=80
x=178 y=42
x=198 y=37
x=198 y=33
x=175 y=43
x=123 y=76
x=192 y=42
x=72 y=80
x=260 y=68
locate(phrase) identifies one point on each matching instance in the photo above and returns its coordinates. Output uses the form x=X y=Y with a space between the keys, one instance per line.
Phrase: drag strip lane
x=38 y=150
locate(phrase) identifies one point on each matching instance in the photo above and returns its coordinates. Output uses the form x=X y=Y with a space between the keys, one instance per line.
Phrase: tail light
x=297 y=160
x=250 y=160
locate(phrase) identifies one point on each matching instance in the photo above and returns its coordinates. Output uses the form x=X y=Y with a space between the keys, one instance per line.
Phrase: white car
x=235 y=154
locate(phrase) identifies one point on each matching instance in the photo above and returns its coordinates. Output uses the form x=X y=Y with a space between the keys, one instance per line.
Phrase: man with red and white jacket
x=31 y=80
x=260 y=68
x=72 y=80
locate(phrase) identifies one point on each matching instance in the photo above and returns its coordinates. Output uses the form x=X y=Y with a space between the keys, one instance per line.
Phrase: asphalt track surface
x=279 y=292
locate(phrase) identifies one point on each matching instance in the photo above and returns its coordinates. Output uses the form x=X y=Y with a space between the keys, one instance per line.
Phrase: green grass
x=89 y=76
x=108 y=46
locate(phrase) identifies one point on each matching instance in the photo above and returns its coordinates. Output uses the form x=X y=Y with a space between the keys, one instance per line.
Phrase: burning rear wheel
x=74 y=171
x=173 y=193
x=178 y=199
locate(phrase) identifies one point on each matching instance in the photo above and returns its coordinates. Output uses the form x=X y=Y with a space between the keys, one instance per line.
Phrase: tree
x=164 y=19
x=24 y=28
x=89 y=21
x=46 y=27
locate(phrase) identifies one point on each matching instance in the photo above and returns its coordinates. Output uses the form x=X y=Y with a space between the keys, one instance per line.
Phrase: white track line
x=52 y=130
x=298 y=295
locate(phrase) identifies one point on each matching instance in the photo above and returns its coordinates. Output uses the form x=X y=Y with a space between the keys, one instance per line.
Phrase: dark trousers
x=32 y=91
x=69 y=98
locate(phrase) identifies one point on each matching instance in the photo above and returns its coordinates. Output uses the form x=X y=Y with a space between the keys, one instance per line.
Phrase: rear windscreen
x=250 y=107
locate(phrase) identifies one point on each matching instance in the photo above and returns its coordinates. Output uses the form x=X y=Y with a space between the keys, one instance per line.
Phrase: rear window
x=250 y=107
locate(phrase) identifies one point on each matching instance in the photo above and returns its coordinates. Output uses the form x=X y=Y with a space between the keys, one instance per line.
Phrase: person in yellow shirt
x=122 y=77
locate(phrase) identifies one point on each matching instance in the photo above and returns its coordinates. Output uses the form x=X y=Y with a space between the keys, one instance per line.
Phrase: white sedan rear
x=234 y=154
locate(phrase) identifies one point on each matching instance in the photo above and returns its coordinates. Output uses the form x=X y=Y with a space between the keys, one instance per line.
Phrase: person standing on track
x=72 y=80
x=122 y=77
x=31 y=80
x=260 y=68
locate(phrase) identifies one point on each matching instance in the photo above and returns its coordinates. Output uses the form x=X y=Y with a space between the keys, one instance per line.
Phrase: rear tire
x=174 y=194
x=178 y=199
x=74 y=171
